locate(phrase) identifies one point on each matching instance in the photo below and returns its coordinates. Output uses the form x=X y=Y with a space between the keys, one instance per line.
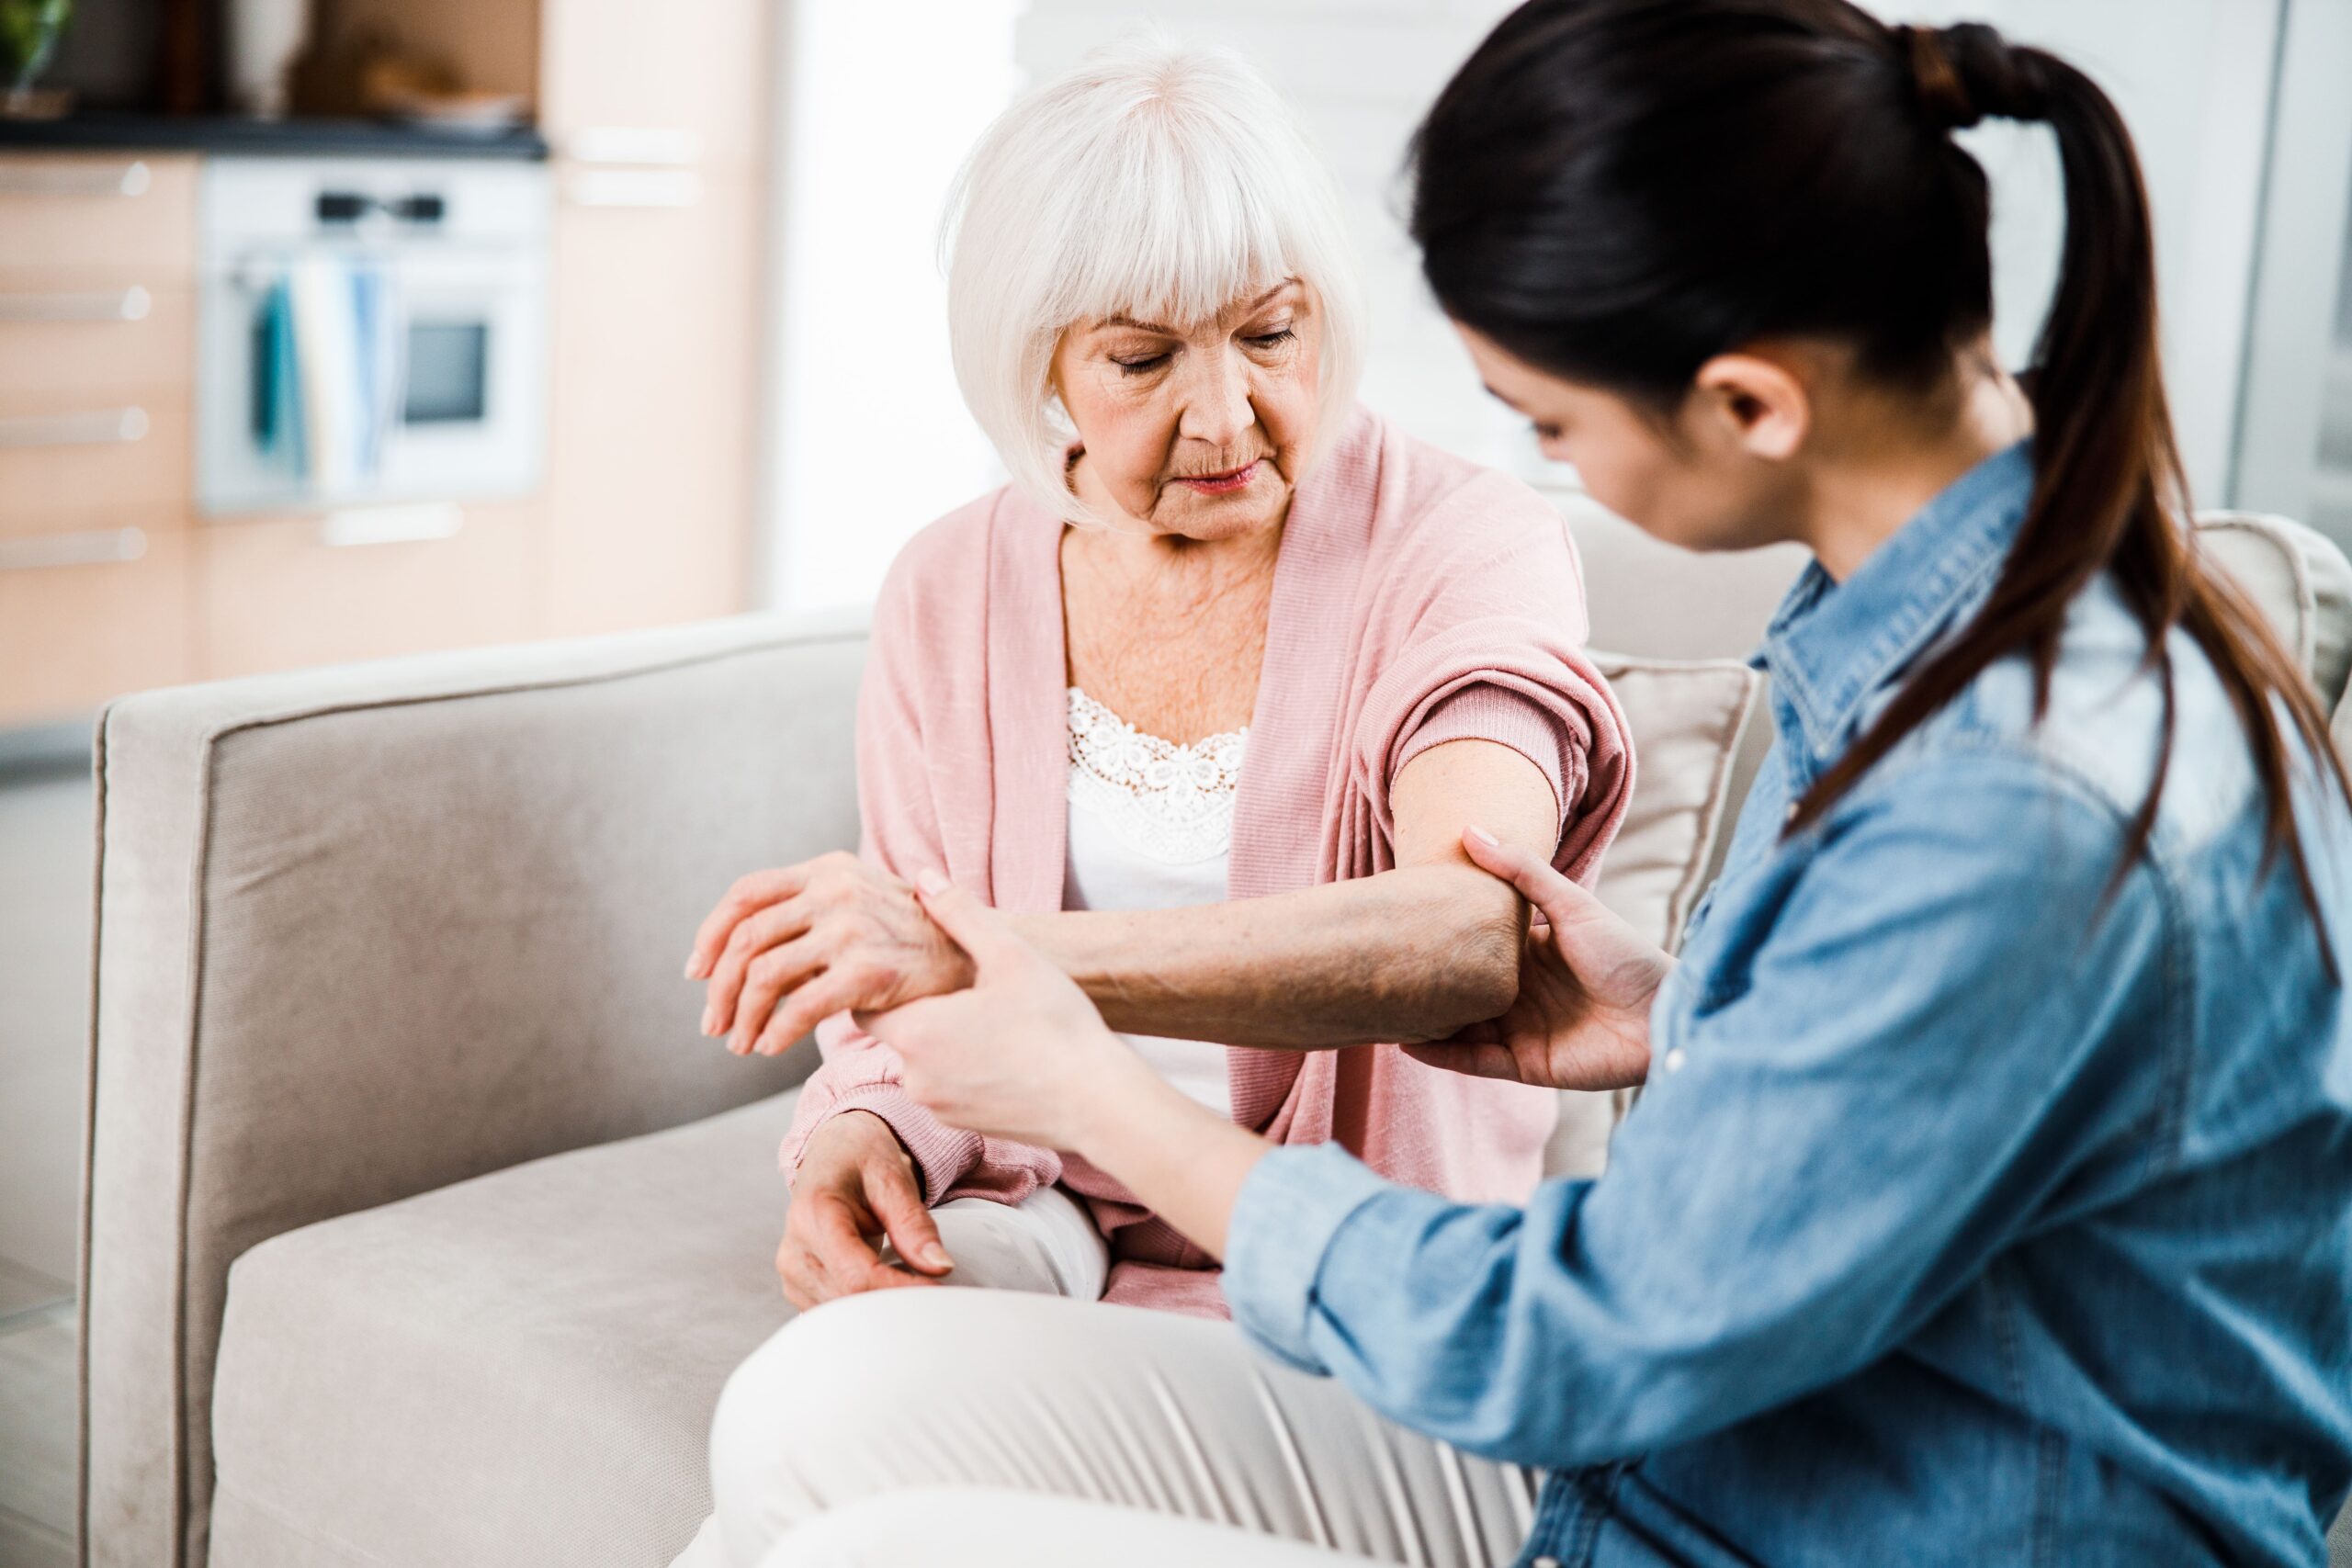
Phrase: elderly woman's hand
x=1021 y=1053
x=788 y=948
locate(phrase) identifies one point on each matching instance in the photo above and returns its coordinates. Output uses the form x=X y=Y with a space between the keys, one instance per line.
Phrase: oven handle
x=45 y=179
x=99 y=427
x=395 y=525
x=130 y=304
x=82 y=547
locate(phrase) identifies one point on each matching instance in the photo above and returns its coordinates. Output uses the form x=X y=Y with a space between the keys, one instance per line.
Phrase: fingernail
x=690 y=966
x=930 y=881
x=936 y=1257
x=1484 y=836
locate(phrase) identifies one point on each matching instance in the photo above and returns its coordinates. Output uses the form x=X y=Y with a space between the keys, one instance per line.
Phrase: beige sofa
x=422 y=1227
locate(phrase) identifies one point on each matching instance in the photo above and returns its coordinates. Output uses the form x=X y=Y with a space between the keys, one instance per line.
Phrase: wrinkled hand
x=1021 y=1053
x=855 y=1185
x=1582 y=1019
x=788 y=948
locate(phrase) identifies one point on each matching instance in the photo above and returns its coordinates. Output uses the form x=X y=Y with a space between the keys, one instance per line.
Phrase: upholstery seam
x=87 y=1217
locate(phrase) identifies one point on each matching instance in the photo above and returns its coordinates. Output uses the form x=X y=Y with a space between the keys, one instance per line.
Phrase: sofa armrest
x=365 y=931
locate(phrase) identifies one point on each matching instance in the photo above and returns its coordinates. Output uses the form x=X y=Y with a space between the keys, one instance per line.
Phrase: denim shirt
x=1980 y=1207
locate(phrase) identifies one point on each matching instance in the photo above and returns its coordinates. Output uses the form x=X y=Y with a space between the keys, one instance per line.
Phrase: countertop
x=264 y=138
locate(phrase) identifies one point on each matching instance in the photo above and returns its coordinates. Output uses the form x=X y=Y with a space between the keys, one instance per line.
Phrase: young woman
x=1990 y=1196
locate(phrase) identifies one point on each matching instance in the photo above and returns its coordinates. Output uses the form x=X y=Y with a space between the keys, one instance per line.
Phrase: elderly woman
x=1204 y=699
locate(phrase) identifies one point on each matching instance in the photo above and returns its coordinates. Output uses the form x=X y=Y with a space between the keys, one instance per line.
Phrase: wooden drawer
x=276 y=594
x=73 y=636
x=68 y=461
x=109 y=215
x=69 y=346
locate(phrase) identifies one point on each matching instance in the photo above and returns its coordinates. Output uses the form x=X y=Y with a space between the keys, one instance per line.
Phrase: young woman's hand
x=855 y=1185
x=1021 y=1053
x=1582 y=1017
x=788 y=948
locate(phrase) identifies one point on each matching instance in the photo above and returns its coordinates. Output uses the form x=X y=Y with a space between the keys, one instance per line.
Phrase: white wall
x=2191 y=78
x=867 y=438
x=888 y=93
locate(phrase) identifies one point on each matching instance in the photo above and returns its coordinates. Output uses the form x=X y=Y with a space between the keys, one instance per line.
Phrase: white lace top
x=1151 y=827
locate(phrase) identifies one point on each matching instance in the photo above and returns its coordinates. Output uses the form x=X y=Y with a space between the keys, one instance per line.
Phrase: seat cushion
x=517 y=1370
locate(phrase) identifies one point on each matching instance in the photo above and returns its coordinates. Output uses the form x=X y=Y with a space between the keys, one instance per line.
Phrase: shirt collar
x=1832 y=646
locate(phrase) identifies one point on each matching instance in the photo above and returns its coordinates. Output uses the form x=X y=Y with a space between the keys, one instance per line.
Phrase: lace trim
x=1170 y=802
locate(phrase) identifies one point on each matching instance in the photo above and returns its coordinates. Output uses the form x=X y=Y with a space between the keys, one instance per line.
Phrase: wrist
x=1108 y=1105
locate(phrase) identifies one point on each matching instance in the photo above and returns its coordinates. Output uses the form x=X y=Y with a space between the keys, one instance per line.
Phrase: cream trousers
x=1026 y=1423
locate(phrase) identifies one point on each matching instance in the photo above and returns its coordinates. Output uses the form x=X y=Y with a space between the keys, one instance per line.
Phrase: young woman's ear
x=1754 y=403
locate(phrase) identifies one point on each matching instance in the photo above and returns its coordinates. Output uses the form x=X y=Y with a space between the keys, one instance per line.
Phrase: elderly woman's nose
x=1216 y=400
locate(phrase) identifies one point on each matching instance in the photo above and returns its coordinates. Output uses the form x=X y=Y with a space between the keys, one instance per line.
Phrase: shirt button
x=1545 y=1563
x=1674 y=1060
x=1791 y=814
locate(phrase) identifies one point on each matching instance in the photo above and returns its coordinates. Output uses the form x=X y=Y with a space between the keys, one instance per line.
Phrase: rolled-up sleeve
x=1506 y=717
x=1281 y=1237
x=1838 y=1134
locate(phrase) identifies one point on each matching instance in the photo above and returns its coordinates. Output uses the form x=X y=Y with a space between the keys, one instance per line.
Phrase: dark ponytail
x=1616 y=191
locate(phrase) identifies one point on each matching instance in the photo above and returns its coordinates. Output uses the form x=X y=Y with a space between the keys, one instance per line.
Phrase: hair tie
x=1936 y=82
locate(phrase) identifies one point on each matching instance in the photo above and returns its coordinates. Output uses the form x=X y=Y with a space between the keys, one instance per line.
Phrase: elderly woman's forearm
x=1411 y=955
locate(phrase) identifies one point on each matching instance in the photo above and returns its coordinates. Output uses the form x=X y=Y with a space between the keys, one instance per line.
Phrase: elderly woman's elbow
x=1489 y=979
x=1472 y=974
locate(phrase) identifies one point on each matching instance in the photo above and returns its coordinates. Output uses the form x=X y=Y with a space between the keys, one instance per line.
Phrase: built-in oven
x=370 y=331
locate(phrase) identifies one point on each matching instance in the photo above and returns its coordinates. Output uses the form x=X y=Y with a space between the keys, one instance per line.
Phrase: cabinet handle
x=672 y=145
x=634 y=187
x=83 y=547
x=102 y=427
x=77 y=179
x=110 y=305
x=391 y=524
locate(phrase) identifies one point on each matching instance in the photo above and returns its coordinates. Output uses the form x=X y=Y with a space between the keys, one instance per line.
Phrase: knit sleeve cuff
x=1491 y=713
x=942 y=1156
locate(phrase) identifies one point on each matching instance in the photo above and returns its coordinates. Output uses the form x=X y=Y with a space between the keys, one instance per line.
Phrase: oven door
x=341 y=375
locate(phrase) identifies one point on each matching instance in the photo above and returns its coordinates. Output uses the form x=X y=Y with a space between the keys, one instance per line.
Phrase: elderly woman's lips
x=1225 y=483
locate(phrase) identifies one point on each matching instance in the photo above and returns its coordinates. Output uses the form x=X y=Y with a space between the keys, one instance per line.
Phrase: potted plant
x=28 y=33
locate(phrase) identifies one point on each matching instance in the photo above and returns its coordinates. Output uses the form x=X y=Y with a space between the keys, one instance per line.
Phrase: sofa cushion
x=1685 y=718
x=518 y=1369
x=2300 y=579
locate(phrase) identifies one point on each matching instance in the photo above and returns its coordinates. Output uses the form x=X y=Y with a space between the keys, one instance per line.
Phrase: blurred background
x=337 y=328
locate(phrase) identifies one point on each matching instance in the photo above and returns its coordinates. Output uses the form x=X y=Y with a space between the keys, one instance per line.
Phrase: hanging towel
x=329 y=369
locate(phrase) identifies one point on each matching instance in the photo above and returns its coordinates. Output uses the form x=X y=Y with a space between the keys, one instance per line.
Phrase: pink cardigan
x=1417 y=598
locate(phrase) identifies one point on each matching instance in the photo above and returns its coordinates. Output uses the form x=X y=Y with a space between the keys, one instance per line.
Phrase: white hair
x=1155 y=182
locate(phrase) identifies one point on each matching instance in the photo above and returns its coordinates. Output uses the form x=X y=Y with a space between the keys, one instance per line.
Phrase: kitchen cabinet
x=75 y=218
x=111 y=579
x=659 y=137
x=649 y=458
x=279 y=593
x=97 y=369
x=87 y=614
x=624 y=83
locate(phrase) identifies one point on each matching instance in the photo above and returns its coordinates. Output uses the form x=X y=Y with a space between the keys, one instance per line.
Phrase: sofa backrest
x=370 y=930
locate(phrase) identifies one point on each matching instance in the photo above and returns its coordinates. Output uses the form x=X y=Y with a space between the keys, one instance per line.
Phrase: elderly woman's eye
x=1275 y=339
x=1145 y=365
